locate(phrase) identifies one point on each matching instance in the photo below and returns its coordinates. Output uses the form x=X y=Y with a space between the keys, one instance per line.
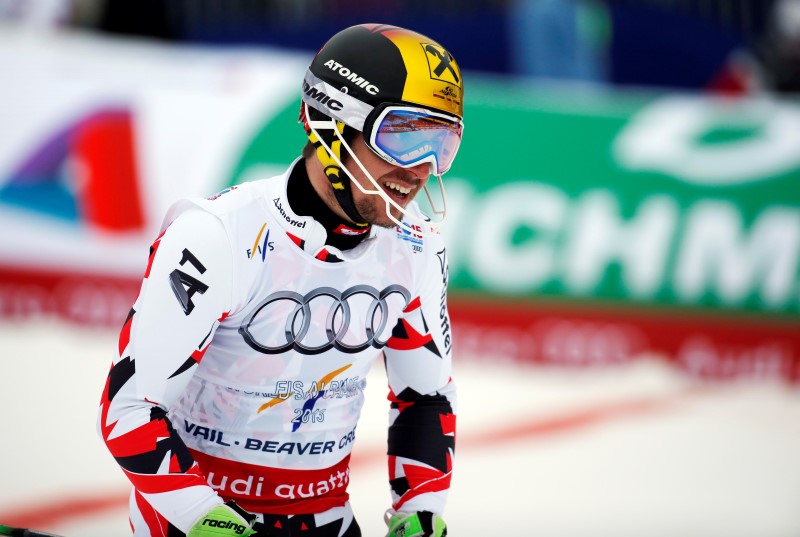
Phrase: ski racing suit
x=242 y=364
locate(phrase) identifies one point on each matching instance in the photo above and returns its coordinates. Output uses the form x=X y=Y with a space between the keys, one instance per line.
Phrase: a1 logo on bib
x=183 y=285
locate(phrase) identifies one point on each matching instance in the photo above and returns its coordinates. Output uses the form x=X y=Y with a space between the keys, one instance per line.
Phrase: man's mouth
x=396 y=191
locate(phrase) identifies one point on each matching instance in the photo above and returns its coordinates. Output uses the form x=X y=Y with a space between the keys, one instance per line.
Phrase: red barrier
x=707 y=344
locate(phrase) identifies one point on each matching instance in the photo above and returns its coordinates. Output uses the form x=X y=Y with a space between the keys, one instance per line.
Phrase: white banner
x=165 y=122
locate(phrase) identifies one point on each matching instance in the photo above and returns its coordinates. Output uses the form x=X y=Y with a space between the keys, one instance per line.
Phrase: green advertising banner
x=673 y=201
x=664 y=200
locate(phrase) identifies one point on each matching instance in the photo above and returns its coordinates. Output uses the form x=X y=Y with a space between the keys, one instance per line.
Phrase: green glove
x=22 y=532
x=223 y=521
x=419 y=524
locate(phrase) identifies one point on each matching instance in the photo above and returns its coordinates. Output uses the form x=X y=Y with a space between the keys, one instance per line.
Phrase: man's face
x=400 y=184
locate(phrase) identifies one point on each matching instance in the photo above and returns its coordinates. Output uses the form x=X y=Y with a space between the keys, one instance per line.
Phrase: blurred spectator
x=772 y=62
x=36 y=13
x=779 y=51
x=560 y=39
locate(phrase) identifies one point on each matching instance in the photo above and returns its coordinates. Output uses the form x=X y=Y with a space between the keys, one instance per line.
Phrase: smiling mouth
x=397 y=191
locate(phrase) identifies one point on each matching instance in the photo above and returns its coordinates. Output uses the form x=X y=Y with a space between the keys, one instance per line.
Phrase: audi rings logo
x=321 y=319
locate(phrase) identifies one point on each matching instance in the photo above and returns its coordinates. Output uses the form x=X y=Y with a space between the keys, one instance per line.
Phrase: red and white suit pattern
x=243 y=362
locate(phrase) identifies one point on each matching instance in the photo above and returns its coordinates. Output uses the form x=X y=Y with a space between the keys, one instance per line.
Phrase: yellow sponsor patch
x=434 y=77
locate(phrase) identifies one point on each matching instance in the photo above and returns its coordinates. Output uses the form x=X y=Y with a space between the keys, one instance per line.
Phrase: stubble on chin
x=372 y=207
x=375 y=213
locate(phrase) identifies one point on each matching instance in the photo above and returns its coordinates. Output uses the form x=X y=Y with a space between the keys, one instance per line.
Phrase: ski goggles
x=407 y=136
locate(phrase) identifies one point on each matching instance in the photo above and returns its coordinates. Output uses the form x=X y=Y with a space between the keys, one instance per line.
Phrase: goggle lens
x=412 y=136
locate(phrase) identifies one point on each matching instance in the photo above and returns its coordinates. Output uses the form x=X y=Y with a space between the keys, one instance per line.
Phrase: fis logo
x=260 y=248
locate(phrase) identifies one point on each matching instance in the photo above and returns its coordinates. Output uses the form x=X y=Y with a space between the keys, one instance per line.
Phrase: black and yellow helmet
x=376 y=63
x=368 y=71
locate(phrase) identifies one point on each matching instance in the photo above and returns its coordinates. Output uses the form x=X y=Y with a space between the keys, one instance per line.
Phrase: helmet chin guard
x=424 y=226
x=329 y=154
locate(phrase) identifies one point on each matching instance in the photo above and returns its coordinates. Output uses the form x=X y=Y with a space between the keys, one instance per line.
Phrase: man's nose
x=422 y=170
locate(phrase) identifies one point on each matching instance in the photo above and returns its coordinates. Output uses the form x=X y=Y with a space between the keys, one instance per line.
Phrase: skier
x=232 y=406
